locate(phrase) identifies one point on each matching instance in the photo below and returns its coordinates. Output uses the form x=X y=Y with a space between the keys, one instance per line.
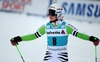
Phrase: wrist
x=18 y=39
x=93 y=39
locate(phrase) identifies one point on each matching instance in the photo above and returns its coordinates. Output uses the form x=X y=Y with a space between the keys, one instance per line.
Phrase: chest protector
x=56 y=36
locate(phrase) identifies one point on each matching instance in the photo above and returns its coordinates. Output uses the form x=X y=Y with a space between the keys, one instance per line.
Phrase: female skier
x=57 y=36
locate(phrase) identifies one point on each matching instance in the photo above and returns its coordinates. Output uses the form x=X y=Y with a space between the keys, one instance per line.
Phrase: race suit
x=57 y=39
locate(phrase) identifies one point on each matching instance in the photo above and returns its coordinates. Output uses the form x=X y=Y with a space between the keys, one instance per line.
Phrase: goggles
x=52 y=12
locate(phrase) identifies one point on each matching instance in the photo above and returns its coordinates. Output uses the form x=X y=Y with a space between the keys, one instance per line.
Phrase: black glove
x=15 y=40
x=95 y=40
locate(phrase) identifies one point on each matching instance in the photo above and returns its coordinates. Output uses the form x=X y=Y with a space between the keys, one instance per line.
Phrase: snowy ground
x=13 y=25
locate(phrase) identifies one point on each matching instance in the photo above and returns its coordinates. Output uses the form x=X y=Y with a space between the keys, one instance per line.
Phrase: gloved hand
x=15 y=40
x=95 y=40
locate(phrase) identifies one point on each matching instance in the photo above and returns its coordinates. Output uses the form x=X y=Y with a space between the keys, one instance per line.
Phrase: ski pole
x=95 y=53
x=20 y=53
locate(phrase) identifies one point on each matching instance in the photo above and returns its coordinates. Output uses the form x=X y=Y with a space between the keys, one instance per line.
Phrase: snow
x=12 y=25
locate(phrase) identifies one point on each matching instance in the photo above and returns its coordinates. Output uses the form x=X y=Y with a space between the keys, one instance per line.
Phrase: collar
x=57 y=23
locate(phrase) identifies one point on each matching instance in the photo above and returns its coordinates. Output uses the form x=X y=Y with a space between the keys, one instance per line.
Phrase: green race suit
x=57 y=39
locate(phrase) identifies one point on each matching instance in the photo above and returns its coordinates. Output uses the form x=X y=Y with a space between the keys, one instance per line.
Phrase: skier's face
x=52 y=18
x=52 y=15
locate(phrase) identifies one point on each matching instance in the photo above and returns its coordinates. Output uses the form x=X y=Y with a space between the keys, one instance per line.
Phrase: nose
x=50 y=16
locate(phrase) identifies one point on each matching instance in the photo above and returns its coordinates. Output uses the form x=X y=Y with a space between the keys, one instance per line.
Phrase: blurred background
x=22 y=17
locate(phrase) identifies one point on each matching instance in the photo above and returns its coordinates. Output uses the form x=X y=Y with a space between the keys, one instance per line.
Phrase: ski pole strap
x=20 y=53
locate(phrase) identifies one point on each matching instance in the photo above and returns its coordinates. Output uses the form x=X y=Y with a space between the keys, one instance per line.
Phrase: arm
x=72 y=30
x=39 y=33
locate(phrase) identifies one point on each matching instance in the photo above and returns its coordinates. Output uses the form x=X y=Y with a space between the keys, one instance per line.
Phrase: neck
x=57 y=22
